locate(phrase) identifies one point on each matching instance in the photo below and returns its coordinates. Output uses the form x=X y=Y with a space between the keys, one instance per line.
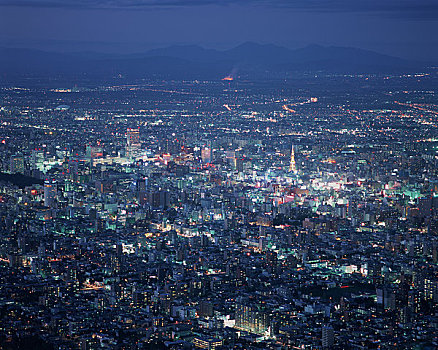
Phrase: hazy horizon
x=403 y=29
x=74 y=47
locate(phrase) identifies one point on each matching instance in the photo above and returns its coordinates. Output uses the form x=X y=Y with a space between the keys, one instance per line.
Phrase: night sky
x=404 y=28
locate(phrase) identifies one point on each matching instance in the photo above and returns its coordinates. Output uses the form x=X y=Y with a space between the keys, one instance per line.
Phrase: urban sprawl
x=229 y=214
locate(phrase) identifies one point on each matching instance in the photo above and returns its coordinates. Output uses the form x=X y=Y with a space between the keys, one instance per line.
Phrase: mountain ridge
x=193 y=60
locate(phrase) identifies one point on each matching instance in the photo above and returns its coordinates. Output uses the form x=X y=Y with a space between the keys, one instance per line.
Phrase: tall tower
x=292 y=165
x=132 y=142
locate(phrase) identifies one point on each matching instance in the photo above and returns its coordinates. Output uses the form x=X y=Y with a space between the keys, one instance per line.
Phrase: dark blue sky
x=405 y=28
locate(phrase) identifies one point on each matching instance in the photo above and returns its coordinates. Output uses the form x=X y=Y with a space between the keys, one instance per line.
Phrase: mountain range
x=191 y=61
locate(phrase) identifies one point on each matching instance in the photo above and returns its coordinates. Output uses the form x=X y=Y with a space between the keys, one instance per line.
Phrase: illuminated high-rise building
x=133 y=136
x=37 y=159
x=50 y=193
x=132 y=141
x=292 y=165
x=252 y=318
x=206 y=155
x=17 y=164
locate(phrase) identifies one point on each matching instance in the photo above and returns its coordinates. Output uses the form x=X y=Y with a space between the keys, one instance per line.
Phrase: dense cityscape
x=220 y=214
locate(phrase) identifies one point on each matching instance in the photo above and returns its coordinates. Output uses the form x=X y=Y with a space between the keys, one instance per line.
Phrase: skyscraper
x=328 y=336
x=50 y=193
x=132 y=142
x=17 y=164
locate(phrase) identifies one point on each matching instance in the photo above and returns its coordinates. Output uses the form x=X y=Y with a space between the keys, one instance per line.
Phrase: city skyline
x=218 y=175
